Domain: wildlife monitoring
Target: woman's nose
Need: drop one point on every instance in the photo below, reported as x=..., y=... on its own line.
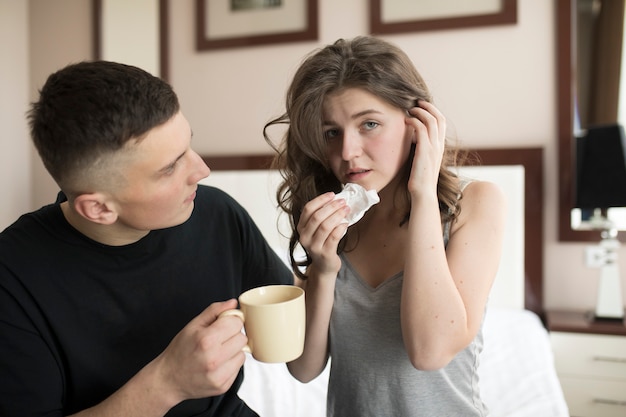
x=351, y=146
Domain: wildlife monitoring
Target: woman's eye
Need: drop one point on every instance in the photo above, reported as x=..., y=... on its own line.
x=331, y=133
x=370, y=125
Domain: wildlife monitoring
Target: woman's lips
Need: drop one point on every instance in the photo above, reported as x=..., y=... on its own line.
x=357, y=174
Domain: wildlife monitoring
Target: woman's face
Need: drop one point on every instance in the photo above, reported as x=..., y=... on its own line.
x=368, y=141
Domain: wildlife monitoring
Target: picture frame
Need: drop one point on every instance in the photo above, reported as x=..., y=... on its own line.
x=399, y=16
x=221, y=24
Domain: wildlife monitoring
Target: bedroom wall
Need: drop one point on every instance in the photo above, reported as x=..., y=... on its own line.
x=496, y=85
x=15, y=174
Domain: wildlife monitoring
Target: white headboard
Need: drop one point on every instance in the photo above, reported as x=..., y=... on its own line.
x=514, y=286
x=508, y=287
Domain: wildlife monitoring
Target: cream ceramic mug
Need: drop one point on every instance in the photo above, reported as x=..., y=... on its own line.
x=274, y=321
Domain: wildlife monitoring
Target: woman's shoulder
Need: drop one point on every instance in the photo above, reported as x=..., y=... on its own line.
x=481, y=198
x=480, y=187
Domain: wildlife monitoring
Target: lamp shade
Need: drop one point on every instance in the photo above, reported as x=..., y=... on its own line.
x=601, y=168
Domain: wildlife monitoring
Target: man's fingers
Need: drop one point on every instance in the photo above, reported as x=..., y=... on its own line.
x=212, y=312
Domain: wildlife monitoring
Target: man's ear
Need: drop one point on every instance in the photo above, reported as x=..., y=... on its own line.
x=96, y=208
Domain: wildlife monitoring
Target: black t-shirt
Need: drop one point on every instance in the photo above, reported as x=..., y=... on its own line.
x=78, y=318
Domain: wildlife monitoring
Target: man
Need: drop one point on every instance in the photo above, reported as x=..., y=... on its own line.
x=110, y=297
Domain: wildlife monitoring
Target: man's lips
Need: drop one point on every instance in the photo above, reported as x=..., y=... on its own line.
x=191, y=197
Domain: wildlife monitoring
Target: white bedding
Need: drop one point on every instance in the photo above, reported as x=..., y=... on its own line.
x=517, y=377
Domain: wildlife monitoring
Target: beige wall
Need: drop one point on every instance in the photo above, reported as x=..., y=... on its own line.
x=496, y=85
x=15, y=177
x=60, y=33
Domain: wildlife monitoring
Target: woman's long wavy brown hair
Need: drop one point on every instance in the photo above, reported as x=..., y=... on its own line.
x=364, y=62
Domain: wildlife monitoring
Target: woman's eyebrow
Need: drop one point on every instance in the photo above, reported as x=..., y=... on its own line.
x=354, y=116
x=364, y=113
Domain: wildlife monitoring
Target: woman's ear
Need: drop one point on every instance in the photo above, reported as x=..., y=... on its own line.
x=96, y=208
x=410, y=134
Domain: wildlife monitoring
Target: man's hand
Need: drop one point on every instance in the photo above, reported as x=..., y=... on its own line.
x=204, y=358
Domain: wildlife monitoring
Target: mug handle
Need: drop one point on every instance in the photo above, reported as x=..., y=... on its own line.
x=238, y=313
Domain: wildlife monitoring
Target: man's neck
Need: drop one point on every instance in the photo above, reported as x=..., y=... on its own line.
x=114, y=234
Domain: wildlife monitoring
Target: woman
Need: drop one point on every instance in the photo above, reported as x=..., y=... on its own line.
x=397, y=300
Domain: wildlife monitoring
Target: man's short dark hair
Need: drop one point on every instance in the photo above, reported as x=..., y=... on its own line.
x=90, y=109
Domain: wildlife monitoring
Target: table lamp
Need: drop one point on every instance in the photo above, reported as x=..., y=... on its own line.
x=601, y=184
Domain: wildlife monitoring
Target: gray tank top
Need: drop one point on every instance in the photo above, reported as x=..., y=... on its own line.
x=371, y=374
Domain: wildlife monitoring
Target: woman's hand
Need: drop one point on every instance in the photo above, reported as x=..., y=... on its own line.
x=321, y=227
x=429, y=126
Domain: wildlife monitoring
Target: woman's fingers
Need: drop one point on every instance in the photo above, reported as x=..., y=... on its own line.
x=319, y=219
x=428, y=121
x=321, y=227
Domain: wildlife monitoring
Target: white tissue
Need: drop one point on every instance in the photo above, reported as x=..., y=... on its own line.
x=358, y=199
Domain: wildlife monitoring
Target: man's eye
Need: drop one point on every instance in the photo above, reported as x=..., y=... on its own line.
x=170, y=169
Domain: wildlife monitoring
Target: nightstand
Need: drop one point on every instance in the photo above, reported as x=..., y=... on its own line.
x=590, y=359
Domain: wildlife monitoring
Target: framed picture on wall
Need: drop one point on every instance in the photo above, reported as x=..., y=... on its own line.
x=237, y=23
x=397, y=16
